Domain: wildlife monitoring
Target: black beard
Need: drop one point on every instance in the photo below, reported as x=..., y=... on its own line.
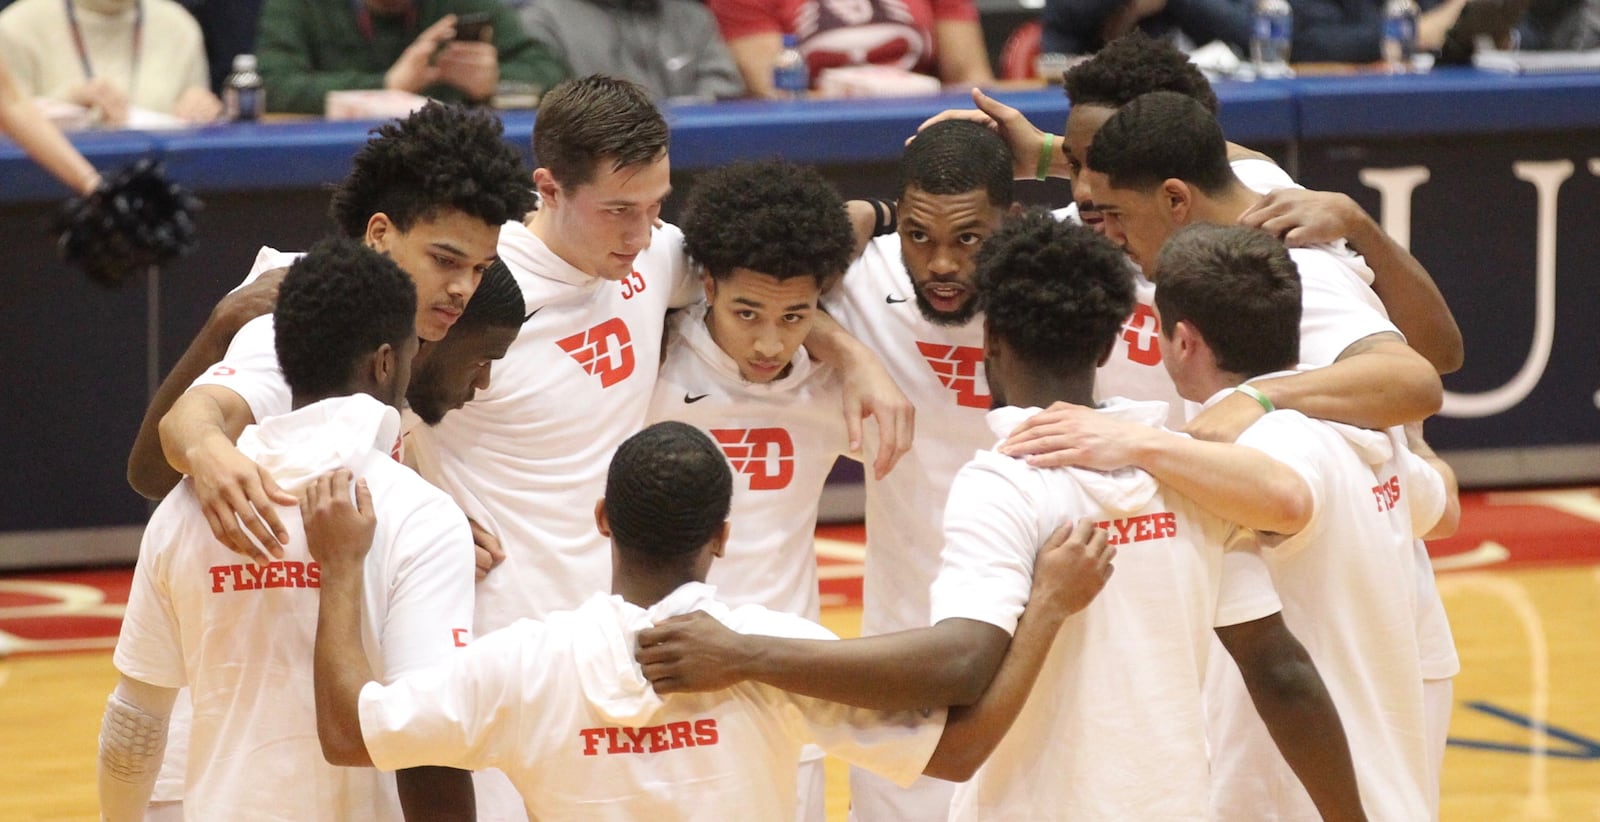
x=948, y=319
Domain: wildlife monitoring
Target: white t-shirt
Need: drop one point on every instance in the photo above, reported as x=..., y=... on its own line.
x=563, y=709
x=781, y=438
x=940, y=369
x=527, y=458
x=250, y=368
x=240, y=636
x=1114, y=728
x=1347, y=580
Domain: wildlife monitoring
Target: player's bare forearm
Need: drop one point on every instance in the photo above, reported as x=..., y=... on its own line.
x=1300, y=715
x=863, y=220
x=1410, y=295
x=435, y=794
x=339, y=665
x=1238, y=483
x=948, y=664
x=149, y=472
x=202, y=417
x=1378, y=382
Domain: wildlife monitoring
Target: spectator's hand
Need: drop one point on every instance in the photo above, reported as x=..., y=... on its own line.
x=486, y=549
x=415, y=71
x=1071, y=568
x=107, y=101
x=1302, y=217
x=337, y=530
x=691, y=653
x=197, y=105
x=231, y=490
x=472, y=67
x=1010, y=124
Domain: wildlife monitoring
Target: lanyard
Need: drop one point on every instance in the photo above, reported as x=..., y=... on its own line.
x=364, y=19
x=83, y=49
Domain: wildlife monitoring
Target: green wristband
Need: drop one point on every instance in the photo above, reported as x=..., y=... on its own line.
x=1255, y=393
x=1046, y=151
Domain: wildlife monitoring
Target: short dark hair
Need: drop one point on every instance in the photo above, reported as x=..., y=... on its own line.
x=1239, y=288
x=441, y=157
x=338, y=304
x=1132, y=65
x=772, y=217
x=1159, y=136
x=668, y=491
x=585, y=120
x=1056, y=292
x=955, y=157
x=498, y=302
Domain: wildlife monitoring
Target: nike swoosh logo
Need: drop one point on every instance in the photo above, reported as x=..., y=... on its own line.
x=891, y=300
x=531, y=313
x=694, y=397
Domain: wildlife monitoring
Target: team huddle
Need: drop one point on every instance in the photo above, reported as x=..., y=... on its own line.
x=525, y=481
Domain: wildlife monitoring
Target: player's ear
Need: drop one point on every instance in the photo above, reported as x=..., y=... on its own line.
x=379, y=231
x=545, y=183
x=385, y=362
x=719, y=541
x=1178, y=198
x=709, y=283
x=601, y=522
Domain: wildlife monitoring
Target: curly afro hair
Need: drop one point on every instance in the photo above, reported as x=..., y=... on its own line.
x=1056, y=292
x=441, y=157
x=668, y=490
x=337, y=305
x=1132, y=65
x=771, y=217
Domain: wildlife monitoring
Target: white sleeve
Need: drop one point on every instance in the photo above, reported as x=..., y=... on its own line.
x=991, y=539
x=1425, y=493
x=1262, y=176
x=1337, y=308
x=250, y=370
x=893, y=744
x=429, y=617
x=1246, y=593
x=467, y=714
x=1283, y=436
x=150, y=646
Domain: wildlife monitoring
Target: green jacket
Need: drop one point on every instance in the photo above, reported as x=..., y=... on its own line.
x=307, y=48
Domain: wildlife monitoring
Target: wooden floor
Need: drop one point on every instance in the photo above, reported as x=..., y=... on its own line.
x=1525, y=733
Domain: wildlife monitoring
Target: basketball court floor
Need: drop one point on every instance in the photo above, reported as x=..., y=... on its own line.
x=1521, y=582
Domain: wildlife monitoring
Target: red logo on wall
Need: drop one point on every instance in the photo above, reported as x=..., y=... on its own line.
x=766, y=455
x=957, y=368
x=605, y=351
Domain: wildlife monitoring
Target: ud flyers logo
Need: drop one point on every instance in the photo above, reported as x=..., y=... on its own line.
x=957, y=368
x=766, y=455
x=1142, y=332
x=605, y=351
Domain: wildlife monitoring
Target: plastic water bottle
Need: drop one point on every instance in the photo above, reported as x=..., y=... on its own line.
x=1399, y=34
x=791, y=77
x=1269, y=38
x=243, y=98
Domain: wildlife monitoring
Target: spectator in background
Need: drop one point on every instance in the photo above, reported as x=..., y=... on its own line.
x=671, y=47
x=1084, y=26
x=22, y=121
x=110, y=55
x=308, y=48
x=1351, y=31
x=937, y=37
x=229, y=27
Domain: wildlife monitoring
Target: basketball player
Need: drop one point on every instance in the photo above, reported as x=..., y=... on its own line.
x=239, y=636
x=1116, y=731
x=560, y=705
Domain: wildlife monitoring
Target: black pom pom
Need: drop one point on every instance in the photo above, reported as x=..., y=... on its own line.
x=130, y=222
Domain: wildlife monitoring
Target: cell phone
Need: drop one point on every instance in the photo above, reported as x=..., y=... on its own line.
x=471, y=27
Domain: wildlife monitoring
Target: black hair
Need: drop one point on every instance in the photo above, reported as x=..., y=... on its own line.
x=1057, y=293
x=585, y=120
x=497, y=303
x=336, y=306
x=1159, y=136
x=955, y=157
x=1132, y=65
x=1239, y=288
x=441, y=157
x=771, y=217
x=668, y=491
